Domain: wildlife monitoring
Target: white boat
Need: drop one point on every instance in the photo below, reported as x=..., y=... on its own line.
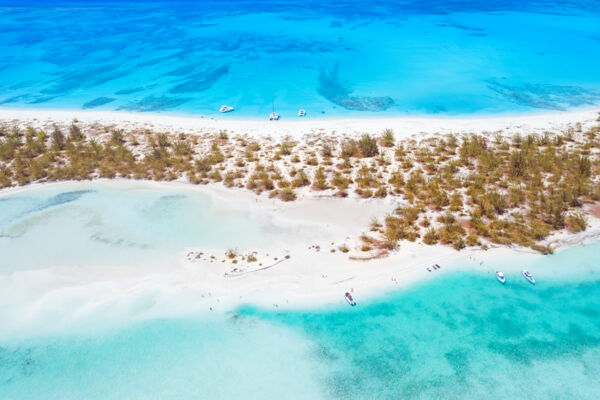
x=301, y=113
x=500, y=277
x=349, y=299
x=273, y=116
x=527, y=275
x=225, y=109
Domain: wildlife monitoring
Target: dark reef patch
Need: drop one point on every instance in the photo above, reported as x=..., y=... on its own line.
x=84, y=78
x=129, y=91
x=182, y=71
x=41, y=99
x=154, y=103
x=333, y=90
x=54, y=201
x=61, y=198
x=153, y=61
x=118, y=242
x=459, y=360
x=437, y=109
x=13, y=99
x=546, y=96
x=20, y=85
x=201, y=81
x=257, y=46
x=572, y=343
x=100, y=101
x=459, y=26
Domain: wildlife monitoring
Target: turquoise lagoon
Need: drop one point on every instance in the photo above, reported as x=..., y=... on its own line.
x=334, y=58
x=117, y=224
x=458, y=335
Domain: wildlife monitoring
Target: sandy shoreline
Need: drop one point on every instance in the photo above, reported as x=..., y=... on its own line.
x=50, y=300
x=65, y=298
x=402, y=126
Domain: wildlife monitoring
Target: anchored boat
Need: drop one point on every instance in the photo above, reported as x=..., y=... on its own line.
x=349, y=299
x=527, y=275
x=226, y=109
x=301, y=113
x=273, y=116
x=500, y=277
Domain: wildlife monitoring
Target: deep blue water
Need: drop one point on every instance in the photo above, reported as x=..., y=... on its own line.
x=333, y=58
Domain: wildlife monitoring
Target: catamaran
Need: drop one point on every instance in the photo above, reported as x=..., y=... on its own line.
x=226, y=109
x=349, y=299
x=273, y=116
x=527, y=275
x=500, y=277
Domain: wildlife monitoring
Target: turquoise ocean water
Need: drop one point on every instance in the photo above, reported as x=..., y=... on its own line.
x=459, y=335
x=333, y=58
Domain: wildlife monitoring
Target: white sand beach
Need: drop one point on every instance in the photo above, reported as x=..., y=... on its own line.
x=310, y=267
x=402, y=126
x=316, y=273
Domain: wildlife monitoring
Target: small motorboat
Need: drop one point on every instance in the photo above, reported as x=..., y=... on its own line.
x=349, y=299
x=527, y=275
x=438, y=266
x=226, y=109
x=428, y=269
x=301, y=113
x=500, y=277
x=434, y=267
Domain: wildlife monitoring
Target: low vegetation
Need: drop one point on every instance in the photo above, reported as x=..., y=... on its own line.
x=459, y=190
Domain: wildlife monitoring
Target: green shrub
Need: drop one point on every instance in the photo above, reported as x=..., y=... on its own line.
x=430, y=237
x=387, y=138
x=58, y=138
x=286, y=148
x=458, y=243
x=576, y=222
x=381, y=192
x=349, y=149
x=320, y=181
x=287, y=194
x=300, y=179
x=368, y=146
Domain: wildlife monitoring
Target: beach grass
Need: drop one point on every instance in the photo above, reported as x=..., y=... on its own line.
x=455, y=189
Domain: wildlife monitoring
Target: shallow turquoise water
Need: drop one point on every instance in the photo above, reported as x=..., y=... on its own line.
x=342, y=58
x=460, y=335
x=120, y=224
